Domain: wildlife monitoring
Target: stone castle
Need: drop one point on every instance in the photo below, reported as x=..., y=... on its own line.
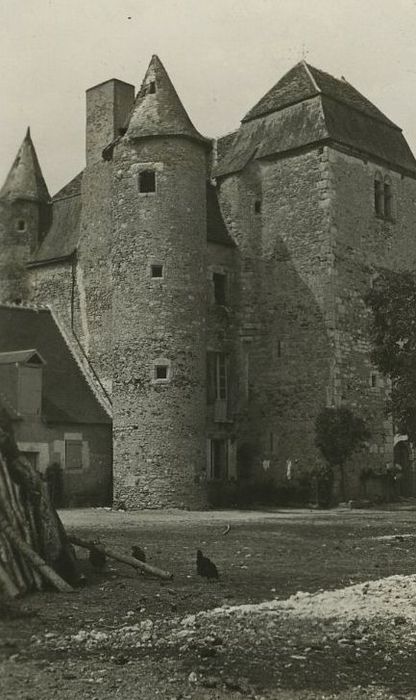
x=216, y=287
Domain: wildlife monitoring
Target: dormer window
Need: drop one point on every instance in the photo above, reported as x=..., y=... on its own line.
x=147, y=181
x=21, y=225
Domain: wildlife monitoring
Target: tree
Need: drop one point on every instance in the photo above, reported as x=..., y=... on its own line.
x=338, y=434
x=393, y=335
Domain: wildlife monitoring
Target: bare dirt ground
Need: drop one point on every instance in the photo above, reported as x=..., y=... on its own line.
x=127, y=636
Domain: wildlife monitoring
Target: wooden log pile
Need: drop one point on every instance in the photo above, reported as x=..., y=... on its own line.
x=35, y=552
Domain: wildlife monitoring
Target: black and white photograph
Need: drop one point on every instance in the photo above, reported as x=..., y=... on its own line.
x=208, y=350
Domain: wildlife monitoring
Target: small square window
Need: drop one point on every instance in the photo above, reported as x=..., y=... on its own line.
x=147, y=181
x=156, y=271
x=220, y=288
x=161, y=372
x=21, y=225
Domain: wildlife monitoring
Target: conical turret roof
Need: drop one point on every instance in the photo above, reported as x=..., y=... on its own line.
x=158, y=110
x=25, y=179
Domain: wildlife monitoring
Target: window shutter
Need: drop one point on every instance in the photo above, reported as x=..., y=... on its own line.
x=211, y=376
x=209, y=459
x=232, y=459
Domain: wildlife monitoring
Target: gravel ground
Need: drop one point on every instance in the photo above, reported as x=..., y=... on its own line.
x=309, y=605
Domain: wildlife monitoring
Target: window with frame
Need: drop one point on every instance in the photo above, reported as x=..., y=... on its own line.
x=388, y=198
x=217, y=377
x=33, y=458
x=383, y=197
x=219, y=460
x=156, y=271
x=147, y=181
x=379, y=195
x=73, y=454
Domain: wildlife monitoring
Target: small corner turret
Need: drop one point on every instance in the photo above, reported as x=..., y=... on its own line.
x=24, y=219
x=158, y=110
x=25, y=180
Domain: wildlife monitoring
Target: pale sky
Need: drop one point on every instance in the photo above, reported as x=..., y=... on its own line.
x=222, y=56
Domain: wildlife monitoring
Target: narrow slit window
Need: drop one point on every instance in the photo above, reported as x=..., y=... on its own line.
x=156, y=271
x=388, y=199
x=21, y=225
x=378, y=197
x=152, y=87
x=257, y=206
x=220, y=288
x=373, y=380
x=147, y=181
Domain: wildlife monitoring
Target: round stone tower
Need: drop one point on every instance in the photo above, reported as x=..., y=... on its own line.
x=24, y=219
x=159, y=302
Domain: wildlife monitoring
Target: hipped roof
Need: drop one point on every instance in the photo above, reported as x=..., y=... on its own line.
x=308, y=106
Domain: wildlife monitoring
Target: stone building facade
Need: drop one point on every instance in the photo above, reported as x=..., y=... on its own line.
x=216, y=287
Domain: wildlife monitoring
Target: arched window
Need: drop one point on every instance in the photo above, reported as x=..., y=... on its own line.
x=379, y=195
x=388, y=198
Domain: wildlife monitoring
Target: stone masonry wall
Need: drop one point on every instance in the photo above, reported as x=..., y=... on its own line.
x=93, y=283
x=15, y=248
x=159, y=427
x=363, y=242
x=286, y=315
x=222, y=335
x=52, y=284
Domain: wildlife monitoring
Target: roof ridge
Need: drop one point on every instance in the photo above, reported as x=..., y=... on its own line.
x=311, y=76
x=368, y=107
x=25, y=306
x=90, y=379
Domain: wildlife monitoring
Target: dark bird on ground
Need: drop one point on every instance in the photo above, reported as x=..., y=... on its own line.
x=138, y=553
x=97, y=558
x=205, y=567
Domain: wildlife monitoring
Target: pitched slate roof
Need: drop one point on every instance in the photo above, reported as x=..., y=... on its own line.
x=304, y=81
x=25, y=179
x=62, y=238
x=68, y=395
x=217, y=231
x=157, y=110
x=306, y=107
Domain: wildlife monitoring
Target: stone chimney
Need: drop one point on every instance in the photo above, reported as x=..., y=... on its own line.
x=108, y=108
